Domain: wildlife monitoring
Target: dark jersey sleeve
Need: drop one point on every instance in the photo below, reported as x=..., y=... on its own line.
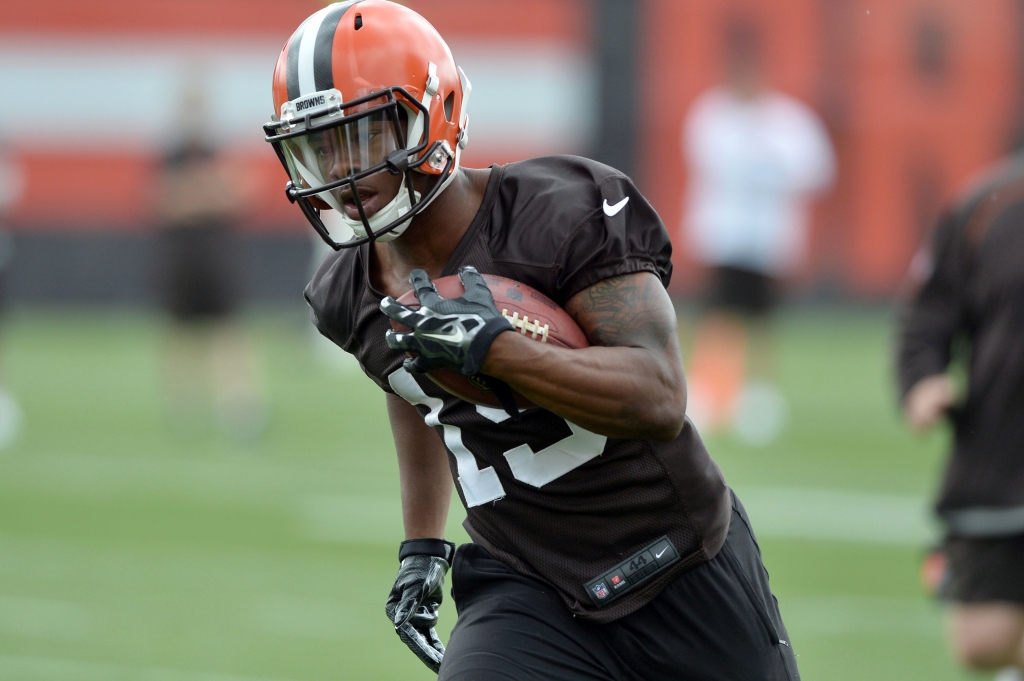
x=342, y=309
x=622, y=235
x=333, y=296
x=564, y=223
x=935, y=308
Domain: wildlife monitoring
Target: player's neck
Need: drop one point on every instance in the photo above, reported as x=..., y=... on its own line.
x=432, y=237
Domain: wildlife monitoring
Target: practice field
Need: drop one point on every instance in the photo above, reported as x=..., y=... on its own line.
x=128, y=553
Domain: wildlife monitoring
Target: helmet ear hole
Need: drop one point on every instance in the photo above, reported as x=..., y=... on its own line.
x=449, y=104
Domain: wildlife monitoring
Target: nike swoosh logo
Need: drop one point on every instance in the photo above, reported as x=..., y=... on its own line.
x=612, y=211
x=658, y=554
x=453, y=338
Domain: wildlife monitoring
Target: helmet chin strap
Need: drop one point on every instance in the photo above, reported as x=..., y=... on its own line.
x=395, y=208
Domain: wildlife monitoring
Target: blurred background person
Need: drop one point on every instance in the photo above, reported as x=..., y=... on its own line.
x=968, y=285
x=11, y=185
x=209, y=365
x=756, y=156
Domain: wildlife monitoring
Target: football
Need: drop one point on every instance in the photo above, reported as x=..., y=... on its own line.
x=531, y=313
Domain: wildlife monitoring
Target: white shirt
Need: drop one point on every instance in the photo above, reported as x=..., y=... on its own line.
x=753, y=166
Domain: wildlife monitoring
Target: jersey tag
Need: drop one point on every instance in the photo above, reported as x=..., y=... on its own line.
x=633, y=571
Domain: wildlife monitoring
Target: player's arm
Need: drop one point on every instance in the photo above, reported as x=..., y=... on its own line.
x=628, y=384
x=423, y=471
x=424, y=556
x=930, y=317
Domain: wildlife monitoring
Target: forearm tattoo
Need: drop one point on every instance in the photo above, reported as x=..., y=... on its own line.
x=631, y=310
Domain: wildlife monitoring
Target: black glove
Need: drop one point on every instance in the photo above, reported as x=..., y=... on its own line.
x=447, y=334
x=417, y=594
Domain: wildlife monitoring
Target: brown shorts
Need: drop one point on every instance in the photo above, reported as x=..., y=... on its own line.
x=742, y=291
x=199, y=272
x=984, y=570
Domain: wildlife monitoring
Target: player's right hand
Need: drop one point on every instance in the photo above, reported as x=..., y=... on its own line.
x=417, y=594
x=446, y=333
x=927, y=401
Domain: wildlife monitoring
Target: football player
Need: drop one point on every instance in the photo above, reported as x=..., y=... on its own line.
x=967, y=290
x=606, y=544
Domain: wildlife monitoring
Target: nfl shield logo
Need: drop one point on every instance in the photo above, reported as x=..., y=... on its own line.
x=600, y=590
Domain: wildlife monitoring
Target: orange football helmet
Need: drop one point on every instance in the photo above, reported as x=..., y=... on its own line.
x=364, y=87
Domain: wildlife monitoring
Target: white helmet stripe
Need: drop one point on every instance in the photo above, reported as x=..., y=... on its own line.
x=292, y=73
x=307, y=51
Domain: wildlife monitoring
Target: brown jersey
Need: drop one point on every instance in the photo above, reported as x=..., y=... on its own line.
x=552, y=500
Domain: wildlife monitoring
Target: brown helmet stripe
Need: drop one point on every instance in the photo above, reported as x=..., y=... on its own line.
x=323, y=74
x=310, y=49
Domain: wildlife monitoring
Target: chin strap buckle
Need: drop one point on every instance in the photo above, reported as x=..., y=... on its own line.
x=398, y=161
x=439, y=157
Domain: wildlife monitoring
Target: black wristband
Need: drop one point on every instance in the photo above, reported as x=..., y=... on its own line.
x=481, y=344
x=426, y=547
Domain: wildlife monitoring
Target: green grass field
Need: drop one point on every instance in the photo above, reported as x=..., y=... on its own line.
x=127, y=553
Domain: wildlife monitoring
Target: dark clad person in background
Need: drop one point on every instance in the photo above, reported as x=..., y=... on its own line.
x=967, y=289
x=207, y=356
x=11, y=188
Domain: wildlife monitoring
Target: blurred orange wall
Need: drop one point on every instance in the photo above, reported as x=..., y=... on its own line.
x=155, y=17
x=91, y=189
x=95, y=189
x=918, y=95
x=918, y=130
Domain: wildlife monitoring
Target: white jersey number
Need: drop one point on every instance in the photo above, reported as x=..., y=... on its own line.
x=533, y=468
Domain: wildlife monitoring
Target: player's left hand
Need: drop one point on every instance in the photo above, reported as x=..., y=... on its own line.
x=454, y=333
x=416, y=596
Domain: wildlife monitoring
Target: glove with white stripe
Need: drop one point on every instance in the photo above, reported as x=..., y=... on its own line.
x=453, y=333
x=417, y=594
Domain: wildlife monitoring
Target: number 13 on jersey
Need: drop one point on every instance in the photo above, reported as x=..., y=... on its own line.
x=481, y=486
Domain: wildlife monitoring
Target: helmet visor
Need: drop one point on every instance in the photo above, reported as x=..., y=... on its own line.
x=326, y=156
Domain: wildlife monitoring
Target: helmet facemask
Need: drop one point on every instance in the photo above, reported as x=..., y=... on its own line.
x=328, y=146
